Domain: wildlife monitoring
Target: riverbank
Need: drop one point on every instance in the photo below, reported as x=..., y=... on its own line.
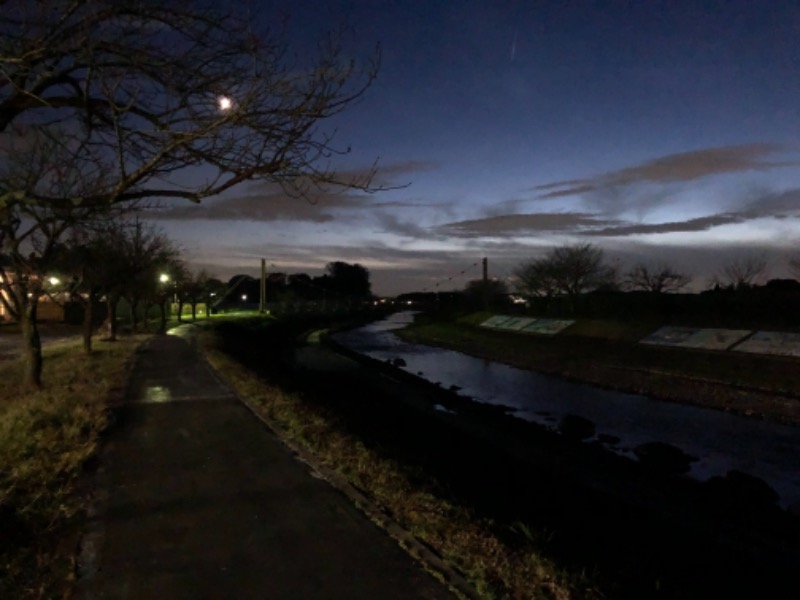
x=607, y=354
x=522, y=511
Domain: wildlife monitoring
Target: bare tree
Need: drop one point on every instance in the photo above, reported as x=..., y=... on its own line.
x=112, y=102
x=742, y=272
x=154, y=265
x=196, y=287
x=536, y=278
x=41, y=163
x=580, y=268
x=565, y=270
x=659, y=278
x=160, y=87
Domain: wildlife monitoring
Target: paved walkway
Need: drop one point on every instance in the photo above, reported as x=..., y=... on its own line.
x=196, y=498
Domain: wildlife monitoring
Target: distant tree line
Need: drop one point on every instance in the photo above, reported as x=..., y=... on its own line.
x=341, y=283
x=577, y=279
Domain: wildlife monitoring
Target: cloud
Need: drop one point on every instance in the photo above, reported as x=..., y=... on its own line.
x=393, y=225
x=778, y=205
x=520, y=224
x=699, y=224
x=274, y=207
x=675, y=168
x=268, y=201
x=783, y=203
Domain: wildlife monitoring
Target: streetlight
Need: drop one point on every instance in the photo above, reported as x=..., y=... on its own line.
x=163, y=278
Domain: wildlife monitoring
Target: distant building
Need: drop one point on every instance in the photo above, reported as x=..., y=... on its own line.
x=48, y=309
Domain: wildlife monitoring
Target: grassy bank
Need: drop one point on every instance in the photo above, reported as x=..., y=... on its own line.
x=607, y=353
x=46, y=437
x=506, y=564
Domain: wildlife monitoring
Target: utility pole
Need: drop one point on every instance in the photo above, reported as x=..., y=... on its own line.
x=262, y=296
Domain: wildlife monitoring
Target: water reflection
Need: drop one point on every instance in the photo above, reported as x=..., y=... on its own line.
x=720, y=441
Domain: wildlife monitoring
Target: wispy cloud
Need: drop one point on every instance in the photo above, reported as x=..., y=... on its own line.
x=521, y=224
x=699, y=224
x=779, y=205
x=776, y=205
x=675, y=168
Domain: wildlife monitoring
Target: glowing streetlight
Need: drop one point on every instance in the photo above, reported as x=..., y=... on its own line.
x=163, y=278
x=54, y=280
x=244, y=297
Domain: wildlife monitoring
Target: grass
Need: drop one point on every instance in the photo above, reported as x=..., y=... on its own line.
x=466, y=541
x=46, y=437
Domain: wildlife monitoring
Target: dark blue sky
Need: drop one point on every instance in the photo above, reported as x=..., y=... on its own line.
x=657, y=130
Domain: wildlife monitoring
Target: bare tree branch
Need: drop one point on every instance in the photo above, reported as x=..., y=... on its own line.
x=742, y=272
x=659, y=278
x=143, y=82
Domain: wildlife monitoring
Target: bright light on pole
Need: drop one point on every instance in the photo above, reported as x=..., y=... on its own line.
x=163, y=278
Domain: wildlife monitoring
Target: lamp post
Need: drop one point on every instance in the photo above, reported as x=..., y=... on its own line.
x=163, y=278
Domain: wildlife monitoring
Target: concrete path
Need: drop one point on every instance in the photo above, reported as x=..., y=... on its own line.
x=196, y=498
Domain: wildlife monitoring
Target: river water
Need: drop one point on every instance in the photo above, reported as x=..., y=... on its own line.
x=721, y=442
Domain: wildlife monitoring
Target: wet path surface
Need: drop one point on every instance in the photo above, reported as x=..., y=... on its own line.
x=719, y=441
x=196, y=498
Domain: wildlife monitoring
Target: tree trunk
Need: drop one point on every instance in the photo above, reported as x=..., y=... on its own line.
x=88, y=317
x=33, y=345
x=162, y=328
x=194, y=309
x=134, y=304
x=111, y=309
x=180, y=311
x=146, y=315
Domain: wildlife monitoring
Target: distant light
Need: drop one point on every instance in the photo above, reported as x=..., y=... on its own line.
x=224, y=103
x=244, y=297
x=408, y=301
x=54, y=280
x=163, y=278
x=213, y=294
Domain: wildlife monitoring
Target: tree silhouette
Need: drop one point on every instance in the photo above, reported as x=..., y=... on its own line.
x=742, y=272
x=564, y=270
x=348, y=280
x=659, y=278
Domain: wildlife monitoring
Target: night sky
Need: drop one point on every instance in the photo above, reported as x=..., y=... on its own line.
x=655, y=130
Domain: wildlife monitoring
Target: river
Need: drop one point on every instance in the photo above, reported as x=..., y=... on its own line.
x=720, y=441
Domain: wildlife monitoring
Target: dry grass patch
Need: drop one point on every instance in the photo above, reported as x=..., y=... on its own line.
x=46, y=436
